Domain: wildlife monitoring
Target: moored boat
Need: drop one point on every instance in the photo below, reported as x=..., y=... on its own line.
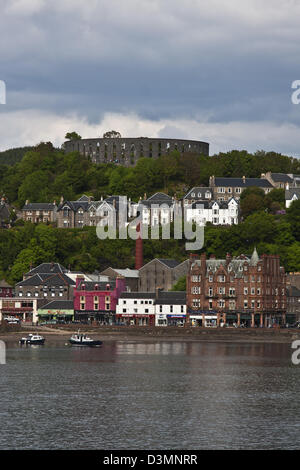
x=80, y=339
x=32, y=339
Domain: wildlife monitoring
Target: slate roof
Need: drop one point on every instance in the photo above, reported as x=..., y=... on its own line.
x=127, y=272
x=59, y=305
x=290, y=192
x=47, y=268
x=171, y=298
x=46, y=280
x=198, y=190
x=239, y=182
x=281, y=178
x=102, y=286
x=235, y=266
x=158, y=199
x=209, y=204
x=170, y=263
x=42, y=206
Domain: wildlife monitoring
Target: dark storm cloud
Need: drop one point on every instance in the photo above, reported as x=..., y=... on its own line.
x=216, y=63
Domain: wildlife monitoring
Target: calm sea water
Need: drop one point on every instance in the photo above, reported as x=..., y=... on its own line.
x=172, y=395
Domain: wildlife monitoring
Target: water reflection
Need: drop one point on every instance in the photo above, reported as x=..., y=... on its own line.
x=163, y=395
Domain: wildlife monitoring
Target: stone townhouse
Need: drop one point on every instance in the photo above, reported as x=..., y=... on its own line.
x=161, y=273
x=226, y=188
x=87, y=212
x=248, y=290
x=38, y=212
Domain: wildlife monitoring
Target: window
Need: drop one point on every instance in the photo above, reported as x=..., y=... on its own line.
x=221, y=290
x=210, y=278
x=221, y=278
x=221, y=190
x=252, y=290
x=245, y=290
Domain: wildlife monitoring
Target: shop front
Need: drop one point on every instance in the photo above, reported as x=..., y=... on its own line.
x=129, y=319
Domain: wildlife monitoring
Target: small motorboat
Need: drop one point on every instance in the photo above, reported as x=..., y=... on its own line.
x=80, y=339
x=32, y=339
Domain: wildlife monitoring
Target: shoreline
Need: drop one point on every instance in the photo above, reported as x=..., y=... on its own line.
x=159, y=334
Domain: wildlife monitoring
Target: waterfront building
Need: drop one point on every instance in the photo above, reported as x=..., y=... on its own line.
x=57, y=311
x=161, y=273
x=170, y=308
x=242, y=290
x=158, y=308
x=293, y=304
x=24, y=310
x=96, y=301
x=56, y=286
x=136, y=308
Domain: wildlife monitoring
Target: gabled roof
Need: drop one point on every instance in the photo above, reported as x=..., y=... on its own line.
x=169, y=263
x=241, y=183
x=47, y=268
x=281, y=178
x=127, y=272
x=158, y=199
x=198, y=190
x=289, y=193
x=56, y=279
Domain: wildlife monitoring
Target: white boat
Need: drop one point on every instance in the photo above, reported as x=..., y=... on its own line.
x=80, y=339
x=32, y=339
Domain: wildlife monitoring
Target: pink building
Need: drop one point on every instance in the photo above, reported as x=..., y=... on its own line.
x=97, y=301
x=5, y=289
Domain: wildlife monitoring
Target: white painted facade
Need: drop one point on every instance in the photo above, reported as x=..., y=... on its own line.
x=217, y=213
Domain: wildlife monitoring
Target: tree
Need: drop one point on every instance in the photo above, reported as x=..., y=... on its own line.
x=72, y=136
x=111, y=134
x=252, y=200
x=180, y=284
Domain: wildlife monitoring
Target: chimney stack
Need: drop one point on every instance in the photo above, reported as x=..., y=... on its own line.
x=139, y=248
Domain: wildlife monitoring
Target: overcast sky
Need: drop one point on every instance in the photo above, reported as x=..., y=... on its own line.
x=218, y=71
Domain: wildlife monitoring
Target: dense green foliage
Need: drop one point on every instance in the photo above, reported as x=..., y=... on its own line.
x=12, y=156
x=28, y=244
x=45, y=174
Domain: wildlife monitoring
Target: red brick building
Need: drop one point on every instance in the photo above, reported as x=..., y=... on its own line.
x=249, y=291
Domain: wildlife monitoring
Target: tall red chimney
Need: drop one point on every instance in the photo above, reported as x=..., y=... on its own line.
x=139, y=248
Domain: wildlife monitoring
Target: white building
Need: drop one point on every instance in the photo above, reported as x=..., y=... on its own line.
x=149, y=309
x=218, y=213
